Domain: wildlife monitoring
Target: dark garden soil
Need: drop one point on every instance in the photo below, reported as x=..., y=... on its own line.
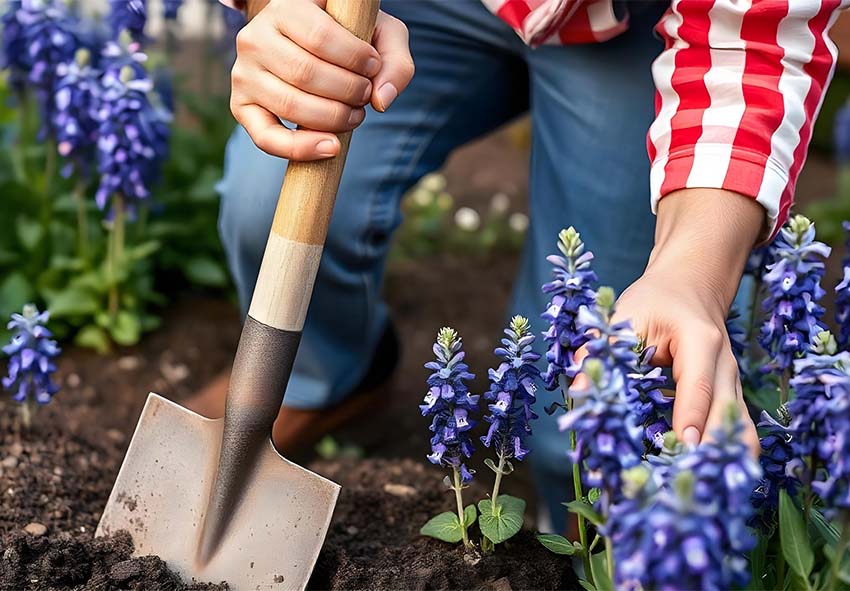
x=374, y=541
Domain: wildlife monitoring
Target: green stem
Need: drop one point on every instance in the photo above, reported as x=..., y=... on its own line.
x=19, y=158
x=459, y=499
x=751, y=321
x=840, y=549
x=577, y=489
x=784, y=387
x=609, y=556
x=82, y=221
x=116, y=252
x=498, y=482
x=780, y=569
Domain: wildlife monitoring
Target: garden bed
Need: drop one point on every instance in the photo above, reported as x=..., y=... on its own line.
x=60, y=475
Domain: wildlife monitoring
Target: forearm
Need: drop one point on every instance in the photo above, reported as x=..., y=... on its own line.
x=707, y=234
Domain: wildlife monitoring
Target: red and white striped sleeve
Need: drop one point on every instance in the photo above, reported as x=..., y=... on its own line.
x=739, y=86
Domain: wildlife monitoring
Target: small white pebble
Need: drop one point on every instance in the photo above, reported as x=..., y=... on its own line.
x=36, y=529
x=73, y=380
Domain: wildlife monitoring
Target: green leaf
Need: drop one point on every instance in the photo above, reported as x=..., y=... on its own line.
x=599, y=568
x=827, y=531
x=794, y=538
x=501, y=521
x=126, y=328
x=844, y=569
x=73, y=301
x=758, y=564
x=143, y=250
x=446, y=526
x=469, y=515
x=585, y=510
x=491, y=464
x=30, y=232
x=206, y=272
x=15, y=291
x=557, y=544
x=587, y=585
x=93, y=337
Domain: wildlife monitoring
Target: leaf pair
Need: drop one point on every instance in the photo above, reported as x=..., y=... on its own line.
x=498, y=522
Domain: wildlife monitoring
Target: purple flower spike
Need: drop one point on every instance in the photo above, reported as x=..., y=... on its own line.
x=842, y=295
x=450, y=404
x=74, y=122
x=570, y=289
x=820, y=422
x=683, y=525
x=38, y=36
x=133, y=129
x=792, y=312
x=512, y=392
x=609, y=438
x=31, y=352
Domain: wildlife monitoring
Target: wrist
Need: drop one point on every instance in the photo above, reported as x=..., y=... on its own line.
x=704, y=237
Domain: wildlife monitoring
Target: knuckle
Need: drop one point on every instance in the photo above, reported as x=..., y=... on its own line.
x=340, y=115
x=303, y=71
x=245, y=41
x=318, y=36
x=285, y=105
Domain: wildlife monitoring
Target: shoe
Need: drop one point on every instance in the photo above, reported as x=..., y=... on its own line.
x=296, y=430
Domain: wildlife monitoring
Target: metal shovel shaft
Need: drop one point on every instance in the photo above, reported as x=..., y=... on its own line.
x=272, y=330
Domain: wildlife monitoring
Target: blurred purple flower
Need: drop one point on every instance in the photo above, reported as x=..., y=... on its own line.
x=841, y=133
x=570, y=289
x=511, y=393
x=133, y=129
x=820, y=422
x=38, y=36
x=74, y=122
x=842, y=295
x=170, y=9
x=130, y=16
x=450, y=404
x=609, y=438
x=683, y=525
x=31, y=353
x=793, y=283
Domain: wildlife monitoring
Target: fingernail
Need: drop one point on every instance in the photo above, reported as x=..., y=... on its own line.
x=367, y=94
x=386, y=95
x=691, y=436
x=326, y=148
x=373, y=65
x=357, y=115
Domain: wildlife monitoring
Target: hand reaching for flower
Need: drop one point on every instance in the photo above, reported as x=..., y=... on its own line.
x=680, y=304
x=295, y=63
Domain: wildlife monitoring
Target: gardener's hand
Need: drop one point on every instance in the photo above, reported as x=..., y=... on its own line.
x=680, y=304
x=294, y=62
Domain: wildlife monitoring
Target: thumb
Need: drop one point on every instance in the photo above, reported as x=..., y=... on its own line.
x=392, y=42
x=694, y=370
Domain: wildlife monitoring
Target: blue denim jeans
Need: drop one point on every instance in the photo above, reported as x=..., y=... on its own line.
x=591, y=106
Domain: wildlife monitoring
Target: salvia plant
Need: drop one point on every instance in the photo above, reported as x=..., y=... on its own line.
x=451, y=407
x=509, y=414
x=511, y=396
x=669, y=516
x=89, y=140
x=32, y=353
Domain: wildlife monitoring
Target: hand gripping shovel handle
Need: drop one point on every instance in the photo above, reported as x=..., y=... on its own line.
x=275, y=319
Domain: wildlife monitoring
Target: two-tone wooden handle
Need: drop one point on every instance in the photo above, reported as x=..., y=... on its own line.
x=288, y=271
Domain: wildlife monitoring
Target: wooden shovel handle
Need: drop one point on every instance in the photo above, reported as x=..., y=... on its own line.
x=304, y=209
